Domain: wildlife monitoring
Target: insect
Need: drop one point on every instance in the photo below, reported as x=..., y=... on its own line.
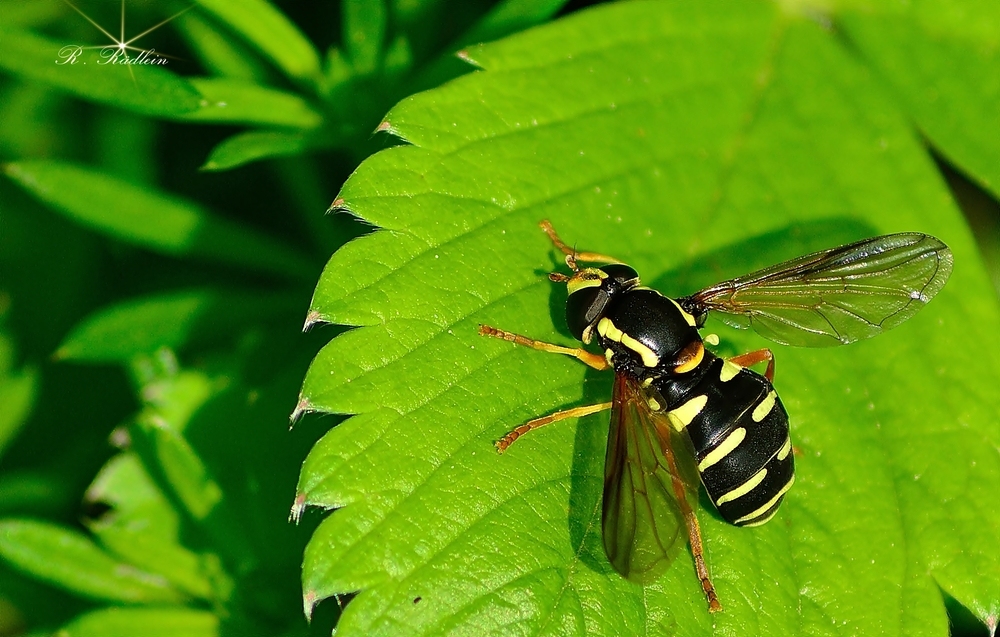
x=680, y=415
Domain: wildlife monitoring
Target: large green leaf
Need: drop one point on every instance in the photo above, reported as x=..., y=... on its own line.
x=697, y=141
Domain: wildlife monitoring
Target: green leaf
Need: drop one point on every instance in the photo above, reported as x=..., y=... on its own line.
x=159, y=441
x=35, y=492
x=511, y=16
x=18, y=390
x=364, y=33
x=68, y=559
x=172, y=320
x=219, y=53
x=505, y=18
x=144, y=89
x=17, y=395
x=142, y=527
x=942, y=58
x=244, y=148
x=239, y=101
x=270, y=32
x=151, y=219
x=148, y=622
x=692, y=140
x=125, y=485
x=159, y=438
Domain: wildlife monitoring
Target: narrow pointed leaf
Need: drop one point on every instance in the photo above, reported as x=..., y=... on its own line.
x=148, y=622
x=70, y=560
x=511, y=16
x=174, y=320
x=270, y=32
x=244, y=148
x=219, y=53
x=18, y=389
x=241, y=102
x=688, y=139
x=142, y=527
x=148, y=89
x=151, y=219
x=364, y=33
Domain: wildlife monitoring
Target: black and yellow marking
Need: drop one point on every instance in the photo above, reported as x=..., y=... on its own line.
x=589, y=278
x=606, y=328
x=739, y=430
x=668, y=387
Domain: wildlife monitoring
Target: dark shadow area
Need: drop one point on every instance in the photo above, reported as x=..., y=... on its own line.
x=961, y=621
x=981, y=211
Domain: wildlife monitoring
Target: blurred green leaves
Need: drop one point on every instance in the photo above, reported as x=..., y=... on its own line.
x=148, y=90
x=692, y=141
x=70, y=560
x=150, y=219
x=265, y=28
x=18, y=389
x=156, y=307
x=173, y=320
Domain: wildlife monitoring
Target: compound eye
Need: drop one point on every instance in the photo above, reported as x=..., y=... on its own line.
x=620, y=272
x=583, y=308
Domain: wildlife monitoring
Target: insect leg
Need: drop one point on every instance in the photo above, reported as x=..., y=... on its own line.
x=594, y=360
x=757, y=356
x=694, y=536
x=573, y=255
x=576, y=412
x=694, y=532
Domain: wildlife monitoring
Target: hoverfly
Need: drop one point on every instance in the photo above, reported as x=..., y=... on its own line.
x=680, y=414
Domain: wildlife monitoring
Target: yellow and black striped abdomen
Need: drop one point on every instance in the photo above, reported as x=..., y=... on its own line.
x=739, y=430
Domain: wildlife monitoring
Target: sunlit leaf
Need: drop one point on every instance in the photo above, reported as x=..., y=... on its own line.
x=142, y=528
x=689, y=139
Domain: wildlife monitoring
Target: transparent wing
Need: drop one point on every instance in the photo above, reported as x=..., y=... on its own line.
x=642, y=522
x=834, y=297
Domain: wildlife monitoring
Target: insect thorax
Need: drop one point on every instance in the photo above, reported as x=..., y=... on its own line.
x=646, y=335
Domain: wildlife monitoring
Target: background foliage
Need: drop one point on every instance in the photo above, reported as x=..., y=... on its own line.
x=150, y=312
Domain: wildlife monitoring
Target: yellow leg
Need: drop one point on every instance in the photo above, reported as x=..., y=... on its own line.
x=594, y=360
x=694, y=532
x=576, y=412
